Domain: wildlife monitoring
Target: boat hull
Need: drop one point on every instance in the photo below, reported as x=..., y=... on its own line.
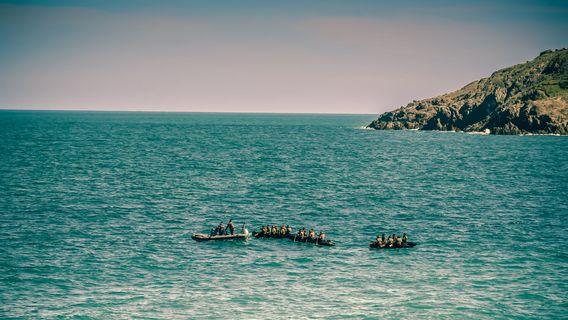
x=374, y=245
x=205, y=237
x=295, y=238
x=272, y=236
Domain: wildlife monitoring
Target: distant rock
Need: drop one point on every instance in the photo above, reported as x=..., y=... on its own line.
x=529, y=98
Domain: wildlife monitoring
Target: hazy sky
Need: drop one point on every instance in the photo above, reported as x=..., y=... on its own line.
x=335, y=56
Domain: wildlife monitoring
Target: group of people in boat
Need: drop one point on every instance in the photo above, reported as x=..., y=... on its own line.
x=222, y=230
x=311, y=234
x=286, y=230
x=392, y=241
x=274, y=230
x=382, y=241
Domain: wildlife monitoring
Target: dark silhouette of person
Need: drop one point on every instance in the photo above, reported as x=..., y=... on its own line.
x=231, y=226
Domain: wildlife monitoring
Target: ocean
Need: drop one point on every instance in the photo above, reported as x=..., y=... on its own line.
x=97, y=211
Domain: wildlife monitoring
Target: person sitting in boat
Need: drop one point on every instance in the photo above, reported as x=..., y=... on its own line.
x=404, y=239
x=231, y=227
x=398, y=242
x=312, y=234
x=288, y=229
x=383, y=241
x=390, y=242
x=321, y=236
x=378, y=240
x=244, y=230
x=221, y=228
x=283, y=230
x=274, y=230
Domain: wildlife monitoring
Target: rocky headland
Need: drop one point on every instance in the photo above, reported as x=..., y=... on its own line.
x=529, y=98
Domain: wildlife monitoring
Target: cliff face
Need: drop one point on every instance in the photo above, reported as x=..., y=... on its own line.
x=526, y=98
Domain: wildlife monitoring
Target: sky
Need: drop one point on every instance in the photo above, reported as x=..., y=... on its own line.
x=296, y=56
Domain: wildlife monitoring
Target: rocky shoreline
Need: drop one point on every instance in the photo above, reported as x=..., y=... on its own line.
x=529, y=98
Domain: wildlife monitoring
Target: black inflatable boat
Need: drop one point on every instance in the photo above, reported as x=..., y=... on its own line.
x=375, y=245
x=295, y=238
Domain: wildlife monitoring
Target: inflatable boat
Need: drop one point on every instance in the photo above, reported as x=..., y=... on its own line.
x=206, y=237
x=295, y=238
x=406, y=245
x=316, y=241
x=273, y=236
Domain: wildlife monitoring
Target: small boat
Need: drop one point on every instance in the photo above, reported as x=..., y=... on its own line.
x=206, y=237
x=316, y=241
x=272, y=236
x=295, y=238
x=406, y=245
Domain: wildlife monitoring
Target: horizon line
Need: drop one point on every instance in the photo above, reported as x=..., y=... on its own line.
x=181, y=111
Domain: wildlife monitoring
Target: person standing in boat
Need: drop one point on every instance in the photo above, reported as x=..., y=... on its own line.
x=220, y=228
x=231, y=227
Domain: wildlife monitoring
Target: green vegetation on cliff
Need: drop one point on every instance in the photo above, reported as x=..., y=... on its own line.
x=527, y=98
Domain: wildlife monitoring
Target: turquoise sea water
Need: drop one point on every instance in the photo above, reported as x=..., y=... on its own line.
x=97, y=211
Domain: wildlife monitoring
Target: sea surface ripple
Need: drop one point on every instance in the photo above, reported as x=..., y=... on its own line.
x=97, y=211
